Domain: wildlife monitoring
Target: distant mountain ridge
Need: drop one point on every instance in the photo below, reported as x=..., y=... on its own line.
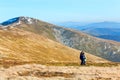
x=105, y=24
x=105, y=30
x=71, y=24
x=106, y=49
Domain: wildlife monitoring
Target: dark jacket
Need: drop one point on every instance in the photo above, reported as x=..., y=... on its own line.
x=82, y=56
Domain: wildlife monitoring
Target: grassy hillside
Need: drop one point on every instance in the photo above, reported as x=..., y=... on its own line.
x=103, y=48
x=19, y=45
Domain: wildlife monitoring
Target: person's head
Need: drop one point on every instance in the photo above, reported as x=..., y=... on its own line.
x=81, y=52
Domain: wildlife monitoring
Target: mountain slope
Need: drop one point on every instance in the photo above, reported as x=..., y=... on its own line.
x=36, y=26
x=30, y=24
x=103, y=48
x=16, y=44
x=22, y=45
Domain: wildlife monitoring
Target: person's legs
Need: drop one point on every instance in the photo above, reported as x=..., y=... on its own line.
x=82, y=62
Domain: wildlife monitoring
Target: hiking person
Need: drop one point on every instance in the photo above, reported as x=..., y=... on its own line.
x=82, y=58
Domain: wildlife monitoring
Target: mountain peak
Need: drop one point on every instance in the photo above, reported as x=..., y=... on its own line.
x=17, y=21
x=27, y=20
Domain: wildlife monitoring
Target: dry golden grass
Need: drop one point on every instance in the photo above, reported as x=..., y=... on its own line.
x=42, y=72
x=20, y=47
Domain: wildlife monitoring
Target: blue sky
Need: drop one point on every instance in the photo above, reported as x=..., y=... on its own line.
x=62, y=10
